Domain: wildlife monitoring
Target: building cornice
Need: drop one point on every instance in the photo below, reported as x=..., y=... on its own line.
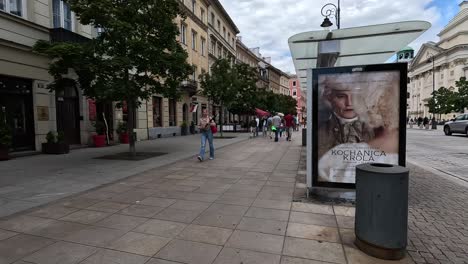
x=247, y=50
x=23, y=21
x=460, y=33
x=186, y=11
x=219, y=38
x=457, y=20
x=225, y=14
x=414, y=67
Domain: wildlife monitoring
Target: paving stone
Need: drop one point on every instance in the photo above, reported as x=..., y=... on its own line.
x=107, y=256
x=263, y=226
x=141, y=244
x=206, y=234
x=95, y=236
x=141, y=210
x=241, y=193
x=183, y=216
x=344, y=210
x=313, y=219
x=312, y=208
x=20, y=246
x=109, y=207
x=85, y=216
x=161, y=228
x=236, y=256
x=272, y=204
x=202, y=197
x=355, y=256
x=61, y=253
x=4, y=234
x=122, y=222
x=218, y=220
x=345, y=221
x=227, y=199
x=54, y=212
x=312, y=249
x=320, y=233
x=24, y=223
x=161, y=261
x=79, y=202
x=190, y=205
x=291, y=260
x=256, y=241
x=189, y=252
x=265, y=213
x=227, y=209
x=159, y=202
x=58, y=229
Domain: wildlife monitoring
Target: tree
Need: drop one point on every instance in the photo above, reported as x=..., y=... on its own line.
x=220, y=86
x=136, y=55
x=461, y=100
x=442, y=101
x=245, y=82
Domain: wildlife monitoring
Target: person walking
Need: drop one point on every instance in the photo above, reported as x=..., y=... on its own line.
x=289, y=124
x=264, y=126
x=257, y=121
x=205, y=129
x=269, y=124
x=276, y=120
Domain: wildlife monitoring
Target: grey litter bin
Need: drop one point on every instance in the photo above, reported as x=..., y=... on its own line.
x=304, y=137
x=381, y=223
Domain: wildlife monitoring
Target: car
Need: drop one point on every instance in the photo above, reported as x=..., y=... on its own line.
x=457, y=125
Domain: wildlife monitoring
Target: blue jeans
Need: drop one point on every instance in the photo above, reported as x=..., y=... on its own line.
x=204, y=136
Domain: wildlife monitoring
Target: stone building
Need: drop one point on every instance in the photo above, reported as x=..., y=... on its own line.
x=450, y=57
x=297, y=93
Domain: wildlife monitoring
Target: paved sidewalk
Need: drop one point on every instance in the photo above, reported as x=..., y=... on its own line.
x=235, y=209
x=36, y=180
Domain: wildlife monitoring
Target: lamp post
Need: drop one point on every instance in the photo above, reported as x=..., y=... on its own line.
x=432, y=58
x=331, y=10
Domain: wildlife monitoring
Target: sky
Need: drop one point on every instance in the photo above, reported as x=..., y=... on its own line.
x=269, y=23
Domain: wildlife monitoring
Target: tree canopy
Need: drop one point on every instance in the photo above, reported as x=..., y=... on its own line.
x=444, y=101
x=136, y=56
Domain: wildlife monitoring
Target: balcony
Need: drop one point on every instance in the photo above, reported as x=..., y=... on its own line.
x=189, y=86
x=64, y=35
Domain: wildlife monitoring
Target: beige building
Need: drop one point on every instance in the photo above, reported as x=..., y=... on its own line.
x=31, y=110
x=274, y=79
x=284, y=84
x=450, y=55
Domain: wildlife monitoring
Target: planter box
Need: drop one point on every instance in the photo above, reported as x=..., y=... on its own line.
x=55, y=148
x=4, y=153
x=99, y=141
x=124, y=138
x=184, y=131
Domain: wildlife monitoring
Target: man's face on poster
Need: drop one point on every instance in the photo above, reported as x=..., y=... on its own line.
x=342, y=103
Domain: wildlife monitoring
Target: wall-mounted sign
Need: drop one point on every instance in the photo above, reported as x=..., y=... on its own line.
x=42, y=113
x=359, y=115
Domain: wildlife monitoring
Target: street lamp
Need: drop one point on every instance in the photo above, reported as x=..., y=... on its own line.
x=331, y=10
x=432, y=58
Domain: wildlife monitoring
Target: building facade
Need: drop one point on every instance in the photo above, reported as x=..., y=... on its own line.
x=445, y=61
x=296, y=93
x=284, y=84
x=31, y=110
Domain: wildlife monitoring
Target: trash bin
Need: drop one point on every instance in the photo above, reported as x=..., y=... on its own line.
x=381, y=223
x=304, y=136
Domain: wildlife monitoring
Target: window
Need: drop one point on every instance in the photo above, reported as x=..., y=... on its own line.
x=460, y=118
x=229, y=39
x=183, y=33
x=294, y=92
x=157, y=112
x=62, y=15
x=194, y=5
x=212, y=18
x=14, y=7
x=172, y=112
x=203, y=44
x=194, y=74
x=294, y=83
x=224, y=32
x=213, y=47
x=202, y=15
x=194, y=40
x=219, y=25
x=441, y=76
x=452, y=73
x=219, y=51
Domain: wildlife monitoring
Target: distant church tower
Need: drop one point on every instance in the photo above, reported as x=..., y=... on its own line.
x=405, y=55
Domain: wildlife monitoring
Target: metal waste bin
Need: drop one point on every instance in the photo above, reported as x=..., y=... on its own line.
x=381, y=223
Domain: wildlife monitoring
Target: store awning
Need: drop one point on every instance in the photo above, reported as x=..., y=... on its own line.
x=261, y=113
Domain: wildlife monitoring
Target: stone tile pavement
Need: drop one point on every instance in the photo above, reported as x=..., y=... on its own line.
x=235, y=209
x=36, y=180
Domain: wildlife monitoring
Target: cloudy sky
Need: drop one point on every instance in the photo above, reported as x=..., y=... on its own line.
x=269, y=23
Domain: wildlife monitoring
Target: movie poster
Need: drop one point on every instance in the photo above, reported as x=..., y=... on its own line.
x=358, y=121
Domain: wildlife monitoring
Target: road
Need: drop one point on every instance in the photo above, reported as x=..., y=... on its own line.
x=433, y=150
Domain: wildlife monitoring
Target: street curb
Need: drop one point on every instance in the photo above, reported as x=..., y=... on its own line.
x=182, y=158
x=448, y=176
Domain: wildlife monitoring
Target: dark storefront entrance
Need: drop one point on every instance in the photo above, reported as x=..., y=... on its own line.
x=17, y=103
x=68, y=114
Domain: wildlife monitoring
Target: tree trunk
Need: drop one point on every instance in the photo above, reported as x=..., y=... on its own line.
x=221, y=120
x=131, y=125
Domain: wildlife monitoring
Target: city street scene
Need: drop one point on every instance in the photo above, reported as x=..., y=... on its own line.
x=233, y=132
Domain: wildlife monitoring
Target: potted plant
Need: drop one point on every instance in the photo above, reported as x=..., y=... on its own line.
x=100, y=137
x=184, y=128
x=5, y=139
x=123, y=132
x=55, y=144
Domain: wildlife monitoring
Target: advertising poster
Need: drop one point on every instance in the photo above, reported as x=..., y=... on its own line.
x=358, y=119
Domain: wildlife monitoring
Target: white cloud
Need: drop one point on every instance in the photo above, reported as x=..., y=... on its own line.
x=269, y=23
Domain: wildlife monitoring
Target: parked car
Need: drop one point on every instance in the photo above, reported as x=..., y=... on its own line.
x=457, y=125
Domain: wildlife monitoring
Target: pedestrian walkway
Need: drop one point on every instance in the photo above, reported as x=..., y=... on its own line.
x=235, y=209
x=36, y=180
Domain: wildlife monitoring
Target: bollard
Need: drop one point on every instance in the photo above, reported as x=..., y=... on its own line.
x=381, y=223
x=304, y=136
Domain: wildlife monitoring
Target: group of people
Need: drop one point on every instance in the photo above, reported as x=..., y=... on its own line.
x=275, y=125
x=421, y=122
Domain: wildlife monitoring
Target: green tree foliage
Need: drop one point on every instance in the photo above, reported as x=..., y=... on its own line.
x=273, y=103
x=136, y=55
x=245, y=82
x=442, y=101
x=461, y=100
